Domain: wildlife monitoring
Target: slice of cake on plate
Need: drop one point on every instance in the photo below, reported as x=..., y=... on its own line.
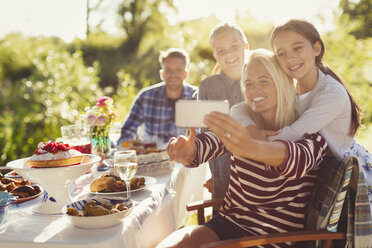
x=54, y=154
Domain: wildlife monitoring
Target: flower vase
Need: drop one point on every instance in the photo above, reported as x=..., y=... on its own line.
x=101, y=144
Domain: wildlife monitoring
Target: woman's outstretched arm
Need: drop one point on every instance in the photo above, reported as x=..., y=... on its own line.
x=239, y=142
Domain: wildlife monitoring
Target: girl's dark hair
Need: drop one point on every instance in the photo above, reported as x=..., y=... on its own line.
x=308, y=31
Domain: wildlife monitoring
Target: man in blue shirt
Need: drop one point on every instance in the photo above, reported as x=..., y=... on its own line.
x=154, y=107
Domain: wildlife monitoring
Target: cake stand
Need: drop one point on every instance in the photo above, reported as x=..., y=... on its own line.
x=55, y=181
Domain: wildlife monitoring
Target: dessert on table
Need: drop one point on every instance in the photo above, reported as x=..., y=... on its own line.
x=54, y=154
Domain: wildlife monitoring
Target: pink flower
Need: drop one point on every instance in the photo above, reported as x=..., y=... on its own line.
x=101, y=114
x=101, y=120
x=104, y=101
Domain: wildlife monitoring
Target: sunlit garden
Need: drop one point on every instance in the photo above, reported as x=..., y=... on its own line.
x=46, y=82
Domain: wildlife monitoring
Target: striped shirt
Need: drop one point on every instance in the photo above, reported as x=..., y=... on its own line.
x=152, y=109
x=220, y=87
x=262, y=199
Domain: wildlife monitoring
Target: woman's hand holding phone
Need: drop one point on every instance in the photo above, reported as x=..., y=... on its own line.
x=233, y=135
x=238, y=140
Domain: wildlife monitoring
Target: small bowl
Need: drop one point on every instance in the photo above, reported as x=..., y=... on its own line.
x=103, y=221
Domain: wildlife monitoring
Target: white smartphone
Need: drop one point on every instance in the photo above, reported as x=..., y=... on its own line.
x=191, y=113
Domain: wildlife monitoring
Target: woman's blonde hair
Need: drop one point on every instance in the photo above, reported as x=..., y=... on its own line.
x=285, y=88
x=221, y=28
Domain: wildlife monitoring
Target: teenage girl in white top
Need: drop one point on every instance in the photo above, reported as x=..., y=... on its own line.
x=323, y=103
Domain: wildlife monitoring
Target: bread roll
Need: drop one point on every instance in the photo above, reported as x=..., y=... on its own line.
x=102, y=184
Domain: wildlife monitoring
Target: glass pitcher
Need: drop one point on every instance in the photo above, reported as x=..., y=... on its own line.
x=77, y=137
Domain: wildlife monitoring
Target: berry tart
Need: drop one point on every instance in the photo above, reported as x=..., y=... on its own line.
x=54, y=154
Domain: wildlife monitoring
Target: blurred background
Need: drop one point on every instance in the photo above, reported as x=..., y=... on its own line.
x=57, y=57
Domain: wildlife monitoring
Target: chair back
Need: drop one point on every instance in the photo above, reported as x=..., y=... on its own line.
x=323, y=212
x=328, y=196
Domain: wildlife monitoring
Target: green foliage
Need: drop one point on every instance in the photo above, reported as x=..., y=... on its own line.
x=115, y=54
x=351, y=59
x=125, y=94
x=103, y=51
x=193, y=36
x=364, y=137
x=258, y=33
x=140, y=18
x=46, y=83
x=43, y=88
x=360, y=15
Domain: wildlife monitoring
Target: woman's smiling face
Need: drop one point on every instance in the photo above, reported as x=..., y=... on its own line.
x=260, y=89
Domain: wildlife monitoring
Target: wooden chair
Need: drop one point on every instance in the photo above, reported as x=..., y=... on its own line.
x=331, y=172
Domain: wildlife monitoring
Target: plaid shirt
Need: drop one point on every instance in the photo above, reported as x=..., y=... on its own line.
x=152, y=108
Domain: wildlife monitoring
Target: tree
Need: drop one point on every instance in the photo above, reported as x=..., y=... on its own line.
x=89, y=10
x=141, y=20
x=361, y=15
x=351, y=59
x=140, y=17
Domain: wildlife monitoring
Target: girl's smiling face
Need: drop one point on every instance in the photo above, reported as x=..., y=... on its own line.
x=228, y=50
x=260, y=90
x=296, y=55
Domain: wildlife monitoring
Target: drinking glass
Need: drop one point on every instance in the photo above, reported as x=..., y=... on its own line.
x=77, y=137
x=125, y=163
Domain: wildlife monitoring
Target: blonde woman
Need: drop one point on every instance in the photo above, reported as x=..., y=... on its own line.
x=270, y=182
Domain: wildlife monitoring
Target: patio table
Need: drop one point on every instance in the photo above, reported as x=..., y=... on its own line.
x=160, y=210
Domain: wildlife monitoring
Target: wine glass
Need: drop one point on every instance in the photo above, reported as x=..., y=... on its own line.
x=125, y=163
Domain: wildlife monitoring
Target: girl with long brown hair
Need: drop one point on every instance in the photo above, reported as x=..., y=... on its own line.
x=323, y=103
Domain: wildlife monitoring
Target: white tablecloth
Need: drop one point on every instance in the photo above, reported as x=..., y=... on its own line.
x=160, y=210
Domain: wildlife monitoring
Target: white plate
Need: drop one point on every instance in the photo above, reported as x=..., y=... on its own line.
x=21, y=200
x=148, y=182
